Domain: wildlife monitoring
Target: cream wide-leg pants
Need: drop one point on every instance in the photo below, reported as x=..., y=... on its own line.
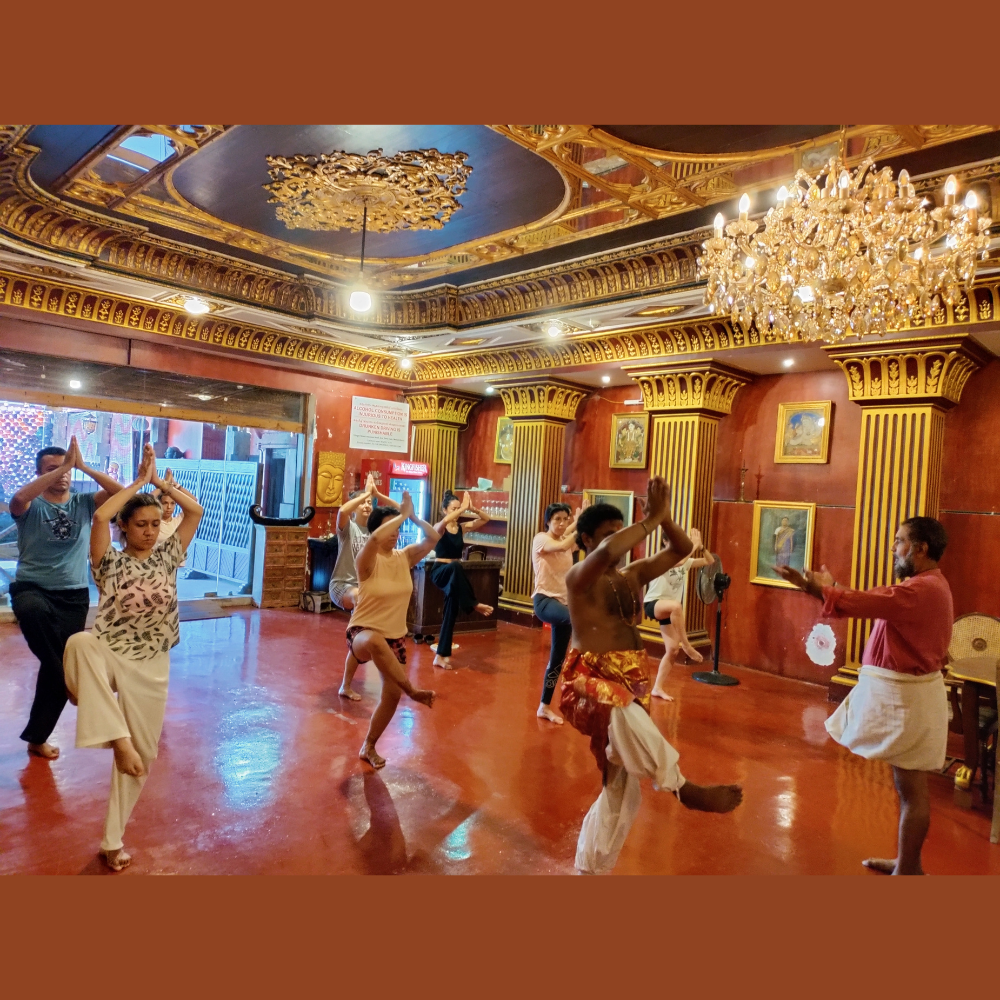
x=93, y=674
x=636, y=750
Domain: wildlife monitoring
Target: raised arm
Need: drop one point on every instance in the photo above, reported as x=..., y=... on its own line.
x=187, y=503
x=418, y=550
x=365, y=561
x=465, y=505
x=350, y=506
x=109, y=486
x=568, y=540
x=373, y=491
x=611, y=550
x=481, y=519
x=100, y=529
x=21, y=500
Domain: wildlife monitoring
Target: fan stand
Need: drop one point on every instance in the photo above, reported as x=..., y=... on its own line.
x=713, y=676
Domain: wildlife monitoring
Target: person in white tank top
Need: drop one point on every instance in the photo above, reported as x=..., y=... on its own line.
x=664, y=603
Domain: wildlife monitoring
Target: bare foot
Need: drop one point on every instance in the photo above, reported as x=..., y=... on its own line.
x=544, y=712
x=346, y=692
x=657, y=693
x=127, y=760
x=484, y=609
x=424, y=697
x=444, y=662
x=116, y=860
x=368, y=754
x=454, y=645
x=884, y=866
x=711, y=798
x=46, y=750
x=691, y=653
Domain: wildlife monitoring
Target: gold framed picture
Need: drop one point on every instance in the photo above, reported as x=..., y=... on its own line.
x=503, y=450
x=629, y=440
x=803, y=432
x=782, y=536
x=624, y=500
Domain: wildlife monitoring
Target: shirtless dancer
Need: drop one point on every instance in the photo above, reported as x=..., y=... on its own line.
x=664, y=603
x=606, y=685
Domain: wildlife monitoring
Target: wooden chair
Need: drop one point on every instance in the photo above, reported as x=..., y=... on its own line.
x=475, y=553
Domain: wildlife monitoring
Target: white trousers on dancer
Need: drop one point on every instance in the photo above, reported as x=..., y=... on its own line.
x=93, y=674
x=636, y=750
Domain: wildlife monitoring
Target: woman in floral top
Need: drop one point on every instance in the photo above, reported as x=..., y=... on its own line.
x=128, y=649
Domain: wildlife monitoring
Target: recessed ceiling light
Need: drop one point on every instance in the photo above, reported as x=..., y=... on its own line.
x=605, y=379
x=196, y=307
x=788, y=362
x=553, y=329
x=405, y=363
x=74, y=383
x=490, y=390
x=204, y=397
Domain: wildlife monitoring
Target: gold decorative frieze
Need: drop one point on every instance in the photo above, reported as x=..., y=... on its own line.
x=412, y=189
x=704, y=386
x=133, y=315
x=541, y=398
x=919, y=370
x=441, y=405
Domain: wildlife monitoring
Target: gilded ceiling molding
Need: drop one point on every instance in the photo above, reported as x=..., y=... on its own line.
x=439, y=404
x=38, y=219
x=701, y=386
x=541, y=398
x=921, y=370
x=54, y=298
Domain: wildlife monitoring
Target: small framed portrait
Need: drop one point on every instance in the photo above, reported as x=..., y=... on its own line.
x=803, y=432
x=782, y=536
x=629, y=440
x=624, y=500
x=503, y=451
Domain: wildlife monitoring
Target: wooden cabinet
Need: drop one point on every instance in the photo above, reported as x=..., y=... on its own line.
x=279, y=568
x=427, y=606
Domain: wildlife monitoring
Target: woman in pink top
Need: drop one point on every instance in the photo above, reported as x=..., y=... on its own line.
x=551, y=558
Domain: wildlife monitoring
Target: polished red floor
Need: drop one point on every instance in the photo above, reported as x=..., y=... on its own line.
x=258, y=772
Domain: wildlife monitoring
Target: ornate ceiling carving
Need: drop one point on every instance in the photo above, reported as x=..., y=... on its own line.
x=703, y=386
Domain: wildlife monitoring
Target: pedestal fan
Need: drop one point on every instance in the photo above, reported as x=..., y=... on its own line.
x=711, y=585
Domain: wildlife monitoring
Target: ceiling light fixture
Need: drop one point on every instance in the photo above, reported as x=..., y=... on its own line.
x=605, y=379
x=75, y=383
x=859, y=255
x=490, y=390
x=361, y=300
x=405, y=362
x=196, y=307
x=553, y=329
x=788, y=362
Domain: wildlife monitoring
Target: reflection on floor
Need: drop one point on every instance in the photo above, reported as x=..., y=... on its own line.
x=258, y=772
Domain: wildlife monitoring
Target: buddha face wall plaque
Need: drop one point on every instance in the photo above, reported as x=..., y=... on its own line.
x=330, y=467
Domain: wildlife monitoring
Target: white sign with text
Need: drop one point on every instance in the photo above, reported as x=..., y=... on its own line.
x=379, y=424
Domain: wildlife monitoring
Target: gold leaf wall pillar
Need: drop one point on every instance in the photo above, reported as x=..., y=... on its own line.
x=540, y=408
x=438, y=413
x=686, y=401
x=905, y=387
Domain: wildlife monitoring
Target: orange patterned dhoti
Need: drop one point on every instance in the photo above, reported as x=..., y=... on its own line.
x=595, y=683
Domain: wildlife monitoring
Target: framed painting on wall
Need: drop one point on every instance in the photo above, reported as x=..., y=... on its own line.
x=503, y=450
x=629, y=440
x=624, y=500
x=782, y=536
x=803, y=432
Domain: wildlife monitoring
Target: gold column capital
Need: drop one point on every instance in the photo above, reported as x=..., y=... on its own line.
x=440, y=404
x=541, y=398
x=706, y=386
x=909, y=371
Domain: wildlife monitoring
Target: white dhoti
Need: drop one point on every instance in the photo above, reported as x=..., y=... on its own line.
x=898, y=718
x=94, y=672
x=636, y=750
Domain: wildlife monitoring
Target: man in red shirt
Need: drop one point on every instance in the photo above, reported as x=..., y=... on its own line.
x=898, y=712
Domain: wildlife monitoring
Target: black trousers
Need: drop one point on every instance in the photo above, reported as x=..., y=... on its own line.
x=459, y=598
x=555, y=614
x=47, y=619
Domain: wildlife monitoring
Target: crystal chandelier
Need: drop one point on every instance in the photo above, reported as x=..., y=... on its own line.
x=858, y=255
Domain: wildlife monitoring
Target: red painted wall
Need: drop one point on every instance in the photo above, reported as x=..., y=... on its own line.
x=477, y=443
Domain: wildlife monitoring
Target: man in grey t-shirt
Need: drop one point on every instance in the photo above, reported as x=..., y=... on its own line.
x=49, y=595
